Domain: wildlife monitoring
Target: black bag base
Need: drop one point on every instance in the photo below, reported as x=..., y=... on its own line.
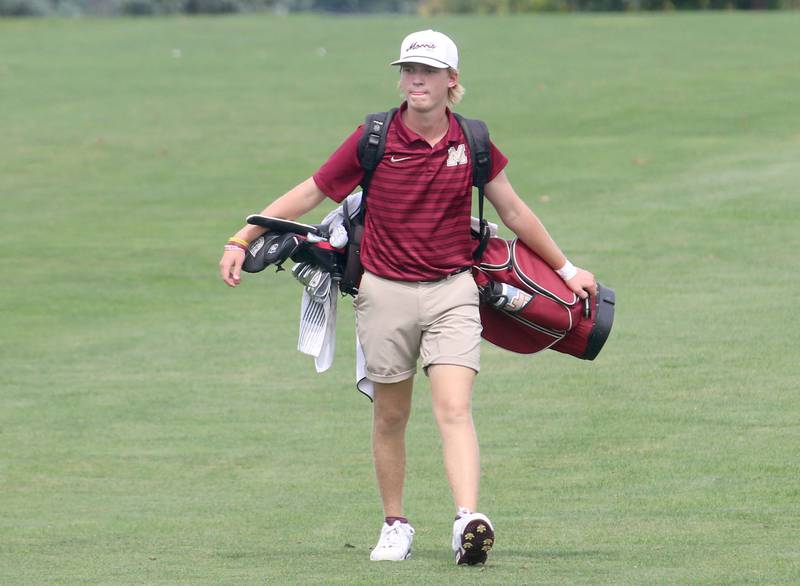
x=606, y=300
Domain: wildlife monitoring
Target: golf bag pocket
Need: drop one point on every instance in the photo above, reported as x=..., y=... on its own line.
x=526, y=307
x=514, y=280
x=515, y=333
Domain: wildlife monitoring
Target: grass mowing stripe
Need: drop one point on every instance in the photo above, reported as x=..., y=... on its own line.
x=156, y=427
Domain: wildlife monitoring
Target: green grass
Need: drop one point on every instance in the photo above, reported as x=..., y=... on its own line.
x=156, y=427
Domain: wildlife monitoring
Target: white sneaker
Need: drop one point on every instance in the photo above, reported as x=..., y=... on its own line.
x=473, y=538
x=394, y=543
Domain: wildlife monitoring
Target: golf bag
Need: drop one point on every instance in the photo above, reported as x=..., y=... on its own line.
x=526, y=307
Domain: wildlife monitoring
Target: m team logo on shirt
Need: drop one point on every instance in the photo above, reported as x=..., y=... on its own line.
x=457, y=156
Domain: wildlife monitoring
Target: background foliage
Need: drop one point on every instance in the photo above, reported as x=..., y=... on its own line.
x=422, y=7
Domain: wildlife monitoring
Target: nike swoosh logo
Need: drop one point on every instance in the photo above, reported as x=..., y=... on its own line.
x=397, y=160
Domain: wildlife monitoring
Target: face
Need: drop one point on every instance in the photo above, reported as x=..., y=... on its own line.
x=425, y=87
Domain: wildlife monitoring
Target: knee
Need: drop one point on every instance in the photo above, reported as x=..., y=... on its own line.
x=388, y=420
x=453, y=413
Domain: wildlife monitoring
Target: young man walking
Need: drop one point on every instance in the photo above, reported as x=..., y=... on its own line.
x=417, y=299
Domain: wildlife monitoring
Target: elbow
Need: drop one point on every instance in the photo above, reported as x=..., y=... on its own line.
x=511, y=218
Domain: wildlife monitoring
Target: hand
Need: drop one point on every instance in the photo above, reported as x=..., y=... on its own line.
x=230, y=267
x=583, y=284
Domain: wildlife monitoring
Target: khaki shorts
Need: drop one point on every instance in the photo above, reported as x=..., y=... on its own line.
x=399, y=322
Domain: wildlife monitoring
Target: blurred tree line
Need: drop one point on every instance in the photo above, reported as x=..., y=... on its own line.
x=159, y=7
x=423, y=7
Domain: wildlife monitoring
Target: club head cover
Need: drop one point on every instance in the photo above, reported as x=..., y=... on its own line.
x=281, y=248
x=271, y=248
x=254, y=258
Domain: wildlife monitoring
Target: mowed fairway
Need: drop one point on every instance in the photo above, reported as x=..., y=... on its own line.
x=159, y=428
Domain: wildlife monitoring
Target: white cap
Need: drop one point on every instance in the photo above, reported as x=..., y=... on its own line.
x=429, y=48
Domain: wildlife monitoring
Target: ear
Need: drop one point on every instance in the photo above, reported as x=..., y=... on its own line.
x=453, y=78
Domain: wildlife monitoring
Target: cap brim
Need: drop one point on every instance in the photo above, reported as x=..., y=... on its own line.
x=424, y=60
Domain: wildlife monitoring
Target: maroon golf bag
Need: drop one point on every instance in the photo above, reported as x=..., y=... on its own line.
x=526, y=307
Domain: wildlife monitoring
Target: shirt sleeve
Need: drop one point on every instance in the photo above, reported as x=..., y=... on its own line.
x=340, y=174
x=499, y=161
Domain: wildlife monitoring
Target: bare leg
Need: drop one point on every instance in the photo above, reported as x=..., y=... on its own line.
x=451, y=391
x=391, y=410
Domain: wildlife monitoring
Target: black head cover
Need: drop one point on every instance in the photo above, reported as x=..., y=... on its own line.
x=271, y=248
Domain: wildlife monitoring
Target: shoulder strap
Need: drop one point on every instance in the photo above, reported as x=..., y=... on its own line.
x=477, y=135
x=371, y=147
x=372, y=143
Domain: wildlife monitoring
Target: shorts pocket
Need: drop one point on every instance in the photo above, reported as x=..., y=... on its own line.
x=360, y=300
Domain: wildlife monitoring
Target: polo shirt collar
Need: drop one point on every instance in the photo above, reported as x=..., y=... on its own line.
x=408, y=136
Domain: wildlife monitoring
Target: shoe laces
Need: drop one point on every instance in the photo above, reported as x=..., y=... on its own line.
x=395, y=534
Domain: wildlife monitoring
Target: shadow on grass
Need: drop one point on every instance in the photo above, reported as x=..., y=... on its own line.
x=501, y=558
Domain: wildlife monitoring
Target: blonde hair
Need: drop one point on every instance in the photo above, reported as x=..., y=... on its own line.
x=455, y=93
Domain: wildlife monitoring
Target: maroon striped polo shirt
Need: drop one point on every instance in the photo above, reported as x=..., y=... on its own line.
x=419, y=201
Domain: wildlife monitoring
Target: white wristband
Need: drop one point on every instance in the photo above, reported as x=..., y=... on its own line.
x=567, y=271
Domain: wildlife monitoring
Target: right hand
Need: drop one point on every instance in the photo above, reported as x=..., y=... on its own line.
x=230, y=267
x=583, y=284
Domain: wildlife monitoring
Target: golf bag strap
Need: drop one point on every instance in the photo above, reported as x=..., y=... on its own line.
x=371, y=147
x=477, y=135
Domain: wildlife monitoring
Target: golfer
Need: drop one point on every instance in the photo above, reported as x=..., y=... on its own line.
x=417, y=299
